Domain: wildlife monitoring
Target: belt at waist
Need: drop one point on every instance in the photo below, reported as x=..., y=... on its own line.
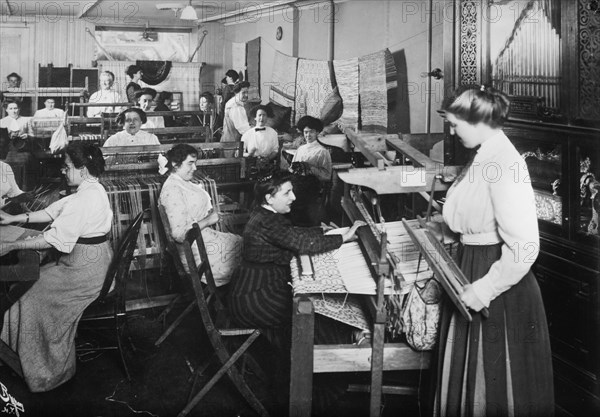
x=488, y=238
x=96, y=240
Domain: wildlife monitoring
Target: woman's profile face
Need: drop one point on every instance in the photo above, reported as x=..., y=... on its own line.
x=137, y=76
x=282, y=200
x=73, y=175
x=12, y=110
x=133, y=123
x=187, y=168
x=468, y=133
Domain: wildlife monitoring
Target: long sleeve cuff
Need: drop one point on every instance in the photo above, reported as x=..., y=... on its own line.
x=484, y=290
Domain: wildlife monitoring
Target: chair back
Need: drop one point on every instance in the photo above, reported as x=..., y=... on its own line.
x=171, y=244
x=196, y=272
x=119, y=267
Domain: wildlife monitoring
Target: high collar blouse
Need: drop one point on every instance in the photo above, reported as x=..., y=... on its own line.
x=494, y=203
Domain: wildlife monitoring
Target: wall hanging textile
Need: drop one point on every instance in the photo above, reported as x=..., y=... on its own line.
x=253, y=69
x=283, y=80
x=347, y=77
x=313, y=86
x=154, y=72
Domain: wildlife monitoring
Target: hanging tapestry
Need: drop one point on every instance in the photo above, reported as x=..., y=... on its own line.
x=313, y=86
x=346, y=75
x=375, y=87
x=184, y=77
x=253, y=69
x=282, y=89
x=154, y=72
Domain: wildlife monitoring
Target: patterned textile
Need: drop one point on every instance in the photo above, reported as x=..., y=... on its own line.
x=313, y=85
x=253, y=69
x=154, y=72
x=184, y=77
x=375, y=85
x=344, y=308
x=347, y=77
x=283, y=80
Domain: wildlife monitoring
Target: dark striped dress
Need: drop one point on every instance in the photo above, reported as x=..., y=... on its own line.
x=261, y=292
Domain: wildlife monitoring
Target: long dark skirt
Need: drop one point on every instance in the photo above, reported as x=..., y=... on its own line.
x=499, y=366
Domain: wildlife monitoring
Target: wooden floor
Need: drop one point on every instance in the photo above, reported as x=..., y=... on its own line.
x=161, y=381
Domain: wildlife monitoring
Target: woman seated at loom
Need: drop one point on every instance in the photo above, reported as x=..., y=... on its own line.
x=144, y=101
x=261, y=292
x=312, y=152
x=106, y=94
x=186, y=202
x=163, y=103
x=261, y=141
x=40, y=327
x=131, y=135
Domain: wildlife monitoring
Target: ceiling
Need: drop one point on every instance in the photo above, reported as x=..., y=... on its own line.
x=135, y=12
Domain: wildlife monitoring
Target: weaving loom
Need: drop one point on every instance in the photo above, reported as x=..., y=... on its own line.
x=383, y=263
x=133, y=184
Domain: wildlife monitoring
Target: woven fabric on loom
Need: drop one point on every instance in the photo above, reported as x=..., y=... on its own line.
x=183, y=77
x=313, y=85
x=253, y=68
x=375, y=85
x=346, y=75
x=282, y=90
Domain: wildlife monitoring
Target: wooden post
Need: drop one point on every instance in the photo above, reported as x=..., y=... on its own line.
x=302, y=357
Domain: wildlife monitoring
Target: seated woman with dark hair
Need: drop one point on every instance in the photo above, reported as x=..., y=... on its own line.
x=131, y=135
x=135, y=73
x=261, y=141
x=41, y=325
x=145, y=98
x=163, y=103
x=312, y=152
x=186, y=202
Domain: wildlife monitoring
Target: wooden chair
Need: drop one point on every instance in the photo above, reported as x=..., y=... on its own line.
x=171, y=247
x=215, y=333
x=108, y=312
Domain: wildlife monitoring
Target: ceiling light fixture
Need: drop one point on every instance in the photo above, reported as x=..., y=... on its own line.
x=188, y=12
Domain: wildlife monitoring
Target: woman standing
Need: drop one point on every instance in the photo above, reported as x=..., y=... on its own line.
x=41, y=325
x=186, y=203
x=135, y=73
x=501, y=365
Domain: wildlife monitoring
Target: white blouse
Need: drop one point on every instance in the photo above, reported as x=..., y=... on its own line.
x=318, y=157
x=185, y=203
x=494, y=203
x=104, y=96
x=20, y=124
x=235, y=121
x=261, y=143
x=86, y=213
x=8, y=185
x=123, y=138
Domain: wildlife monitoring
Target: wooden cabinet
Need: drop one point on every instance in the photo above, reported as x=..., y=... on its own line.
x=544, y=54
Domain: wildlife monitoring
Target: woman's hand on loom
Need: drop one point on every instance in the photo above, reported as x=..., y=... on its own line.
x=442, y=232
x=351, y=233
x=470, y=299
x=6, y=218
